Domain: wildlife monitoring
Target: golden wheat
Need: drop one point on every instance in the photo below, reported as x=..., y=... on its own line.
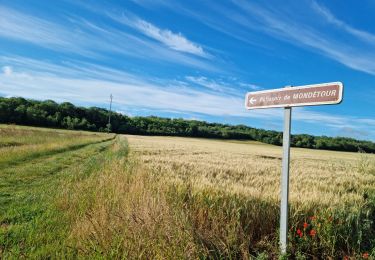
x=253, y=169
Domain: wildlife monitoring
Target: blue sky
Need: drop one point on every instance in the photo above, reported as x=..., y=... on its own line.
x=194, y=59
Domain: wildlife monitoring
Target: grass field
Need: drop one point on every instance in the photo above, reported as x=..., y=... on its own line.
x=70, y=194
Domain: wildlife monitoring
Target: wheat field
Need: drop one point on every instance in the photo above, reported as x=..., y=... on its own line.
x=73, y=194
x=326, y=178
x=233, y=189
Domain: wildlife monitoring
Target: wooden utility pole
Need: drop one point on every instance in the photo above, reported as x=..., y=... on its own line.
x=109, y=115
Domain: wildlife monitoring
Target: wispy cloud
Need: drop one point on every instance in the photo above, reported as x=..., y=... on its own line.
x=89, y=39
x=281, y=26
x=210, y=84
x=85, y=83
x=229, y=86
x=248, y=20
x=16, y=25
x=331, y=18
x=7, y=70
x=38, y=79
x=353, y=132
x=175, y=41
x=250, y=86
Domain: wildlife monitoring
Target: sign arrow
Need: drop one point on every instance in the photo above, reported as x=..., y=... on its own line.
x=252, y=100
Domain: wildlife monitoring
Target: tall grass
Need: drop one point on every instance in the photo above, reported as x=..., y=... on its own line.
x=19, y=144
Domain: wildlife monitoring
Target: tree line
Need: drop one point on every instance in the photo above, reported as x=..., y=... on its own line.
x=65, y=115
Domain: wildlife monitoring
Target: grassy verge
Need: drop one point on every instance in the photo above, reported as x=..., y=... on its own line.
x=31, y=225
x=18, y=145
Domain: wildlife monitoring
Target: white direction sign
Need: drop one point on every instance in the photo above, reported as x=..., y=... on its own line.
x=288, y=97
x=309, y=95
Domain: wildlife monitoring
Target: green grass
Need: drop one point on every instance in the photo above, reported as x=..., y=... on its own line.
x=30, y=223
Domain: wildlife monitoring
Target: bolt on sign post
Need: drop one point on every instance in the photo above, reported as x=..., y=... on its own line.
x=288, y=97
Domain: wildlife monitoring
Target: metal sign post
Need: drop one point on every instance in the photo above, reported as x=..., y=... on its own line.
x=309, y=95
x=284, y=207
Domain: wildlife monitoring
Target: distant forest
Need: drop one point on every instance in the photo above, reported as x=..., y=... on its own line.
x=65, y=115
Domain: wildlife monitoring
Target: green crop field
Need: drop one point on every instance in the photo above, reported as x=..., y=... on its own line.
x=74, y=194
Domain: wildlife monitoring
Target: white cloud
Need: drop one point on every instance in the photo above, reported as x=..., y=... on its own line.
x=326, y=13
x=230, y=86
x=210, y=84
x=142, y=94
x=175, y=41
x=16, y=25
x=353, y=132
x=247, y=19
x=83, y=84
x=92, y=40
x=7, y=70
x=250, y=86
x=369, y=121
x=280, y=25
